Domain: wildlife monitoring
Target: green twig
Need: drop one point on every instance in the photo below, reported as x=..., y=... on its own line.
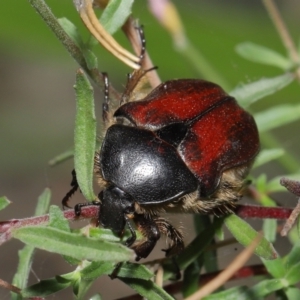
x=46, y=14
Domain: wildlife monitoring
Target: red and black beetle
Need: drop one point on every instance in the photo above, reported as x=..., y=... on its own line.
x=187, y=146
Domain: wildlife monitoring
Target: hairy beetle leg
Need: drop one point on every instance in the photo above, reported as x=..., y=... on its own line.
x=173, y=234
x=77, y=207
x=150, y=231
x=74, y=185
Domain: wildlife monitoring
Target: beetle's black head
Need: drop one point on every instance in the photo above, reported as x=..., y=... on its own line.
x=115, y=204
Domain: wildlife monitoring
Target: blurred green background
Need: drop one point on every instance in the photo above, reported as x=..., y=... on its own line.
x=37, y=104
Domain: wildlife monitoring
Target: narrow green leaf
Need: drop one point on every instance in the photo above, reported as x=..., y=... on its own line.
x=266, y=287
x=85, y=135
x=115, y=14
x=245, y=235
x=61, y=158
x=250, y=93
x=96, y=269
x=81, y=287
x=275, y=267
x=292, y=264
x=74, y=245
x=57, y=219
x=43, y=202
x=26, y=254
x=270, y=229
x=293, y=293
x=147, y=289
x=267, y=155
x=263, y=55
x=91, y=59
x=72, y=31
x=261, y=183
x=190, y=282
x=104, y=234
x=129, y=270
x=46, y=287
x=277, y=116
x=234, y=293
x=24, y=267
x=4, y=202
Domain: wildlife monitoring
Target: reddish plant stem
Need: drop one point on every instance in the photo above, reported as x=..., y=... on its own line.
x=261, y=212
x=6, y=227
x=244, y=272
x=88, y=212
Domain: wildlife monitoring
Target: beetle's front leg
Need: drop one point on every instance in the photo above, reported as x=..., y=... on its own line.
x=173, y=234
x=150, y=231
x=75, y=186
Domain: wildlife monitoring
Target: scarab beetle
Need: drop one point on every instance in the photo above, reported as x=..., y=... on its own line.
x=186, y=146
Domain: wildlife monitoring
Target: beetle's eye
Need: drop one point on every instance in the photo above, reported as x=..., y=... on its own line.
x=124, y=121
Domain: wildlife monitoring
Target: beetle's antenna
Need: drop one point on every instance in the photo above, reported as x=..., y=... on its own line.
x=140, y=30
x=105, y=105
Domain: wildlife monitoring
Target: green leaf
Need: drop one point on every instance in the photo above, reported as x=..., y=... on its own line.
x=234, y=293
x=57, y=219
x=261, y=183
x=250, y=93
x=277, y=116
x=245, y=235
x=96, y=269
x=147, y=289
x=115, y=14
x=61, y=158
x=275, y=267
x=129, y=270
x=74, y=245
x=270, y=229
x=72, y=31
x=266, y=287
x=26, y=254
x=85, y=135
x=81, y=287
x=190, y=282
x=4, y=202
x=46, y=287
x=43, y=202
x=104, y=234
x=292, y=264
x=263, y=55
x=24, y=267
x=293, y=293
x=267, y=155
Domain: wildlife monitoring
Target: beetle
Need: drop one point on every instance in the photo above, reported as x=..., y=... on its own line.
x=186, y=146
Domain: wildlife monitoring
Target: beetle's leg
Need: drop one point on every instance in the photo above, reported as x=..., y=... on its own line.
x=150, y=231
x=74, y=185
x=77, y=207
x=105, y=106
x=129, y=242
x=173, y=234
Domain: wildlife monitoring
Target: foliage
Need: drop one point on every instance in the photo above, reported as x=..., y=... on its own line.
x=95, y=252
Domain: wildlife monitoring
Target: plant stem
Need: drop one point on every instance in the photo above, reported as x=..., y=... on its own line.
x=283, y=32
x=46, y=14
